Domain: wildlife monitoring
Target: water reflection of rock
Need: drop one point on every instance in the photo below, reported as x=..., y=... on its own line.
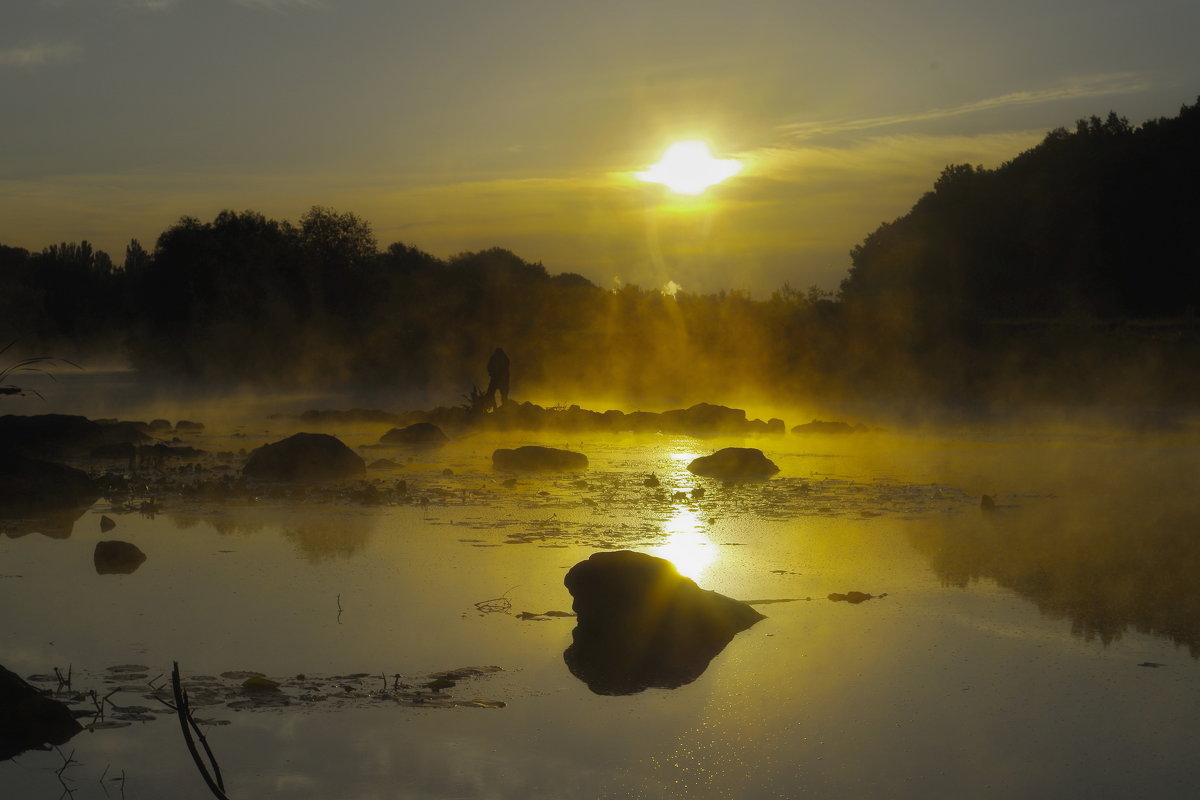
x=54, y=524
x=642, y=625
x=1107, y=573
x=114, y=557
x=319, y=534
x=324, y=539
x=41, y=496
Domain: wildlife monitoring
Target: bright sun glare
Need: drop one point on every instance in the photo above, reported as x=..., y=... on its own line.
x=688, y=546
x=689, y=168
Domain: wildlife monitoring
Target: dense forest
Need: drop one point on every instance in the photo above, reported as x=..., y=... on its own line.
x=1069, y=272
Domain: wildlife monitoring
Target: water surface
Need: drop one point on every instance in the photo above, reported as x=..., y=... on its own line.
x=1005, y=654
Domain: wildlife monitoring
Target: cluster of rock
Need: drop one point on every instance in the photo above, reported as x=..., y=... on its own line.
x=702, y=419
x=63, y=436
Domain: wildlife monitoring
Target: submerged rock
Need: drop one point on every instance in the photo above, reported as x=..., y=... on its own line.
x=115, y=557
x=419, y=434
x=535, y=458
x=734, y=464
x=29, y=719
x=305, y=457
x=643, y=625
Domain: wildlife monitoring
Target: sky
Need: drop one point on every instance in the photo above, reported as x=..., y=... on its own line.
x=454, y=125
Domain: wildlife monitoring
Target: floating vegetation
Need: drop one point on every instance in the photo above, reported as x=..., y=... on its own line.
x=242, y=690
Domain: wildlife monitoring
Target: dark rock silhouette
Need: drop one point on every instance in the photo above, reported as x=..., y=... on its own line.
x=854, y=598
x=28, y=485
x=643, y=625
x=734, y=464
x=115, y=557
x=305, y=457
x=383, y=463
x=535, y=458
x=29, y=720
x=58, y=436
x=419, y=434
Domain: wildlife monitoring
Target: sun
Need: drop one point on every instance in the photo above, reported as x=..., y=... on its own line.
x=689, y=168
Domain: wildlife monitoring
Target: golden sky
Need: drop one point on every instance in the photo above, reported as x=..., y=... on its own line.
x=457, y=126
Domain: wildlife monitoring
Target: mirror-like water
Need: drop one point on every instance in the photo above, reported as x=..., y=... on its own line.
x=1004, y=654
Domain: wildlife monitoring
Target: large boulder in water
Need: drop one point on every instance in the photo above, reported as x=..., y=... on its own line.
x=419, y=434
x=535, y=458
x=734, y=464
x=29, y=486
x=305, y=457
x=643, y=625
x=29, y=719
x=114, y=557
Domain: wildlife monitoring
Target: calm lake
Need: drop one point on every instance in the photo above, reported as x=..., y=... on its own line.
x=1047, y=648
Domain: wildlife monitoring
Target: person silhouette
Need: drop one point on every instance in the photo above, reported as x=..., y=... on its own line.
x=497, y=368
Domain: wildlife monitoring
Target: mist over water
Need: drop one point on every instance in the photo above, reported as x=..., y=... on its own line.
x=1054, y=627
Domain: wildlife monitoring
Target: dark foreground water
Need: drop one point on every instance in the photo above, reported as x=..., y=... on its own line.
x=1046, y=649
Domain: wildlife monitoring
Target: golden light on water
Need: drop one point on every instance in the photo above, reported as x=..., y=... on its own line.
x=689, y=168
x=688, y=546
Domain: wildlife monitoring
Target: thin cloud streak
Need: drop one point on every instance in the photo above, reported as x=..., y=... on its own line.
x=148, y=5
x=37, y=54
x=281, y=4
x=1096, y=86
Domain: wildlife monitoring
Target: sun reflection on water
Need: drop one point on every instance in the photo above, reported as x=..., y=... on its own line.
x=688, y=546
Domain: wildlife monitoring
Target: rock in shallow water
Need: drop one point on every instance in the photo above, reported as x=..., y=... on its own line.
x=419, y=434
x=643, y=625
x=29, y=719
x=734, y=464
x=534, y=458
x=305, y=457
x=28, y=485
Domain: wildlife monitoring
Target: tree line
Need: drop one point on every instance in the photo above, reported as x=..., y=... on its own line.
x=1069, y=269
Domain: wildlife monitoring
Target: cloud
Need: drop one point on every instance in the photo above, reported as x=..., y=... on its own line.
x=148, y=5
x=1093, y=86
x=36, y=54
x=281, y=4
